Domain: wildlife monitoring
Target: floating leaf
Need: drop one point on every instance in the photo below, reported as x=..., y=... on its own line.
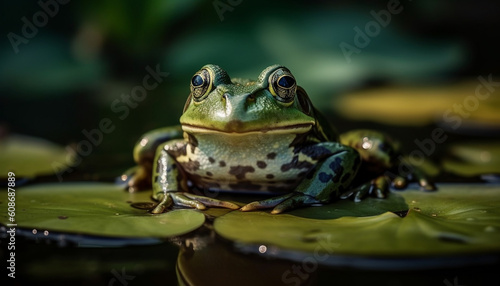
x=470, y=159
x=456, y=219
x=29, y=156
x=97, y=209
x=424, y=105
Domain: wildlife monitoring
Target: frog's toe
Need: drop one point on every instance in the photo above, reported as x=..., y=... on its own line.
x=180, y=199
x=189, y=200
x=265, y=204
x=359, y=193
x=363, y=191
x=295, y=201
x=165, y=202
x=378, y=188
x=426, y=185
x=380, y=193
x=399, y=182
x=210, y=202
x=200, y=202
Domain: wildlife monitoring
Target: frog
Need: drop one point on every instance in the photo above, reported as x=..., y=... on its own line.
x=260, y=136
x=381, y=158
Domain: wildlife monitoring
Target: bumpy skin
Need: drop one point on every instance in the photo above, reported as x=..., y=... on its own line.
x=262, y=136
x=254, y=136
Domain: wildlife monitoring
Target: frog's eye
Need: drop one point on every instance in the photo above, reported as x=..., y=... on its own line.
x=282, y=85
x=201, y=84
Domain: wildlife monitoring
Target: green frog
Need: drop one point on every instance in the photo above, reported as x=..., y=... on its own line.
x=382, y=163
x=264, y=136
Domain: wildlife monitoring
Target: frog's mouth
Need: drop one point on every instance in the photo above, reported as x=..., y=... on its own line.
x=236, y=129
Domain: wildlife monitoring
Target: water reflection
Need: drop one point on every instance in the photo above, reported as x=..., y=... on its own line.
x=207, y=259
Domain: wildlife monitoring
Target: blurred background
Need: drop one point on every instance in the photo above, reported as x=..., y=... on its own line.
x=68, y=69
x=398, y=66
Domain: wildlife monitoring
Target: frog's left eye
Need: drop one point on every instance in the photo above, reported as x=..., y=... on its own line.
x=201, y=84
x=282, y=85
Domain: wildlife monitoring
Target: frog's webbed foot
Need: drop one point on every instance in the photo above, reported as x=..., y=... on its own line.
x=281, y=203
x=189, y=200
x=400, y=182
x=378, y=187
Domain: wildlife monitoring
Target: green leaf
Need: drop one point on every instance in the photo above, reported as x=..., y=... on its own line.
x=96, y=209
x=473, y=158
x=28, y=157
x=457, y=219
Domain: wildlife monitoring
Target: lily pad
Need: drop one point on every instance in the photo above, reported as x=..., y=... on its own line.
x=29, y=156
x=417, y=106
x=457, y=219
x=96, y=209
x=471, y=159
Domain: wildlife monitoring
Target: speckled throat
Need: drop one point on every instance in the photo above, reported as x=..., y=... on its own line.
x=251, y=161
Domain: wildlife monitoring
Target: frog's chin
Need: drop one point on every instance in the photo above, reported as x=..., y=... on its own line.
x=285, y=129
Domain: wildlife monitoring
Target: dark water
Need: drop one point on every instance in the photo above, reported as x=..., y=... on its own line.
x=203, y=258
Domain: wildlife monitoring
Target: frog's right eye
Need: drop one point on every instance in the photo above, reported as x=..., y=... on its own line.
x=282, y=86
x=201, y=84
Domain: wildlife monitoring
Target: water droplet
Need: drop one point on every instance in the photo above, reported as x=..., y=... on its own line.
x=117, y=214
x=46, y=233
x=413, y=202
x=490, y=229
x=434, y=215
x=34, y=231
x=416, y=209
x=470, y=219
x=262, y=249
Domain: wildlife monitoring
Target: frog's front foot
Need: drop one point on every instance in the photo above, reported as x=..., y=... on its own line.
x=378, y=187
x=282, y=203
x=189, y=200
